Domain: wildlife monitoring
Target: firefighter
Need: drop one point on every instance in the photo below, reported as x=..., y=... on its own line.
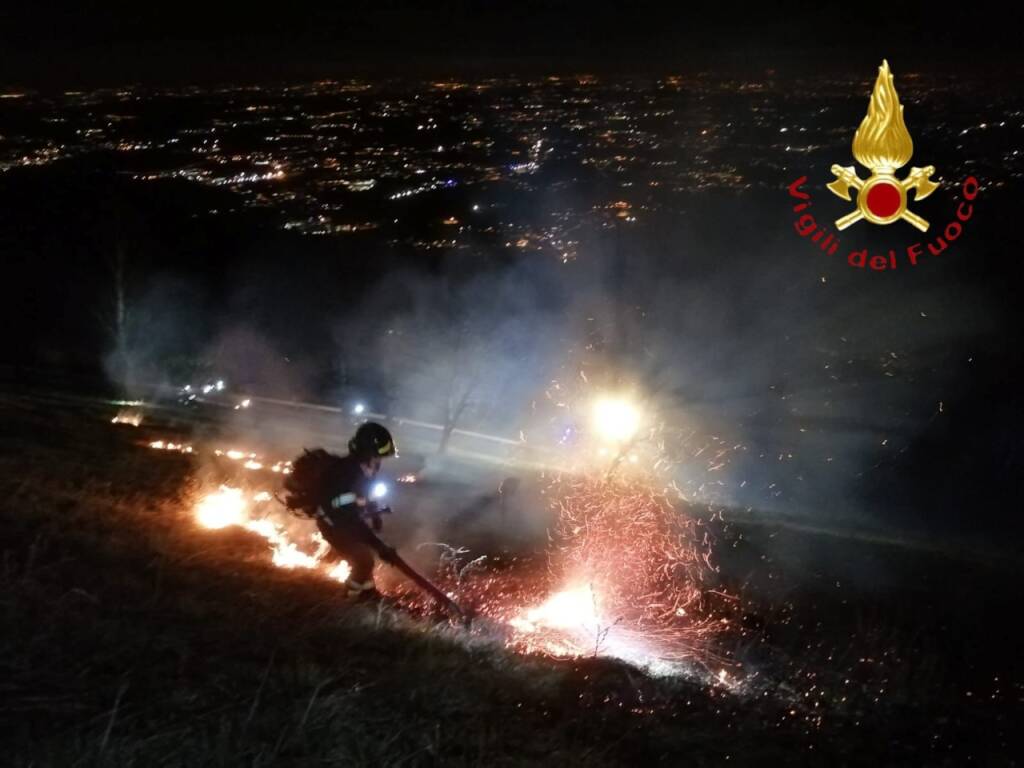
x=347, y=506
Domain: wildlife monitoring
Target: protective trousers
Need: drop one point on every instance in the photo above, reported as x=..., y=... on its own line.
x=346, y=539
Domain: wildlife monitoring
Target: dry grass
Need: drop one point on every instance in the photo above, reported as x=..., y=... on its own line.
x=129, y=637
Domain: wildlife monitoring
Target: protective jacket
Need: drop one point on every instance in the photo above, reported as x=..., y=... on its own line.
x=341, y=517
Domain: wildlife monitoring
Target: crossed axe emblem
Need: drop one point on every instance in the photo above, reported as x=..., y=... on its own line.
x=882, y=198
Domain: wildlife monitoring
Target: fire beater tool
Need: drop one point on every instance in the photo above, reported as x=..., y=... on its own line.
x=391, y=557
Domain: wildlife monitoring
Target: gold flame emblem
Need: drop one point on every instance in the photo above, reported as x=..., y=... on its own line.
x=883, y=145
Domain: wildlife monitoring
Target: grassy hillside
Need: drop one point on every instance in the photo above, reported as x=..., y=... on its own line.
x=130, y=637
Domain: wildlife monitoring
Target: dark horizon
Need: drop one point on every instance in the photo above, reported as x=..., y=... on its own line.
x=77, y=48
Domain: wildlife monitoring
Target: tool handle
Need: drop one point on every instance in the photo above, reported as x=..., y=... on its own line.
x=390, y=556
x=426, y=585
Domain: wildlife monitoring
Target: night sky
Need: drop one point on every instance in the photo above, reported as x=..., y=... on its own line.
x=190, y=43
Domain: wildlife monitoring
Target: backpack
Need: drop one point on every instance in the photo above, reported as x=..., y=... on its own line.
x=308, y=485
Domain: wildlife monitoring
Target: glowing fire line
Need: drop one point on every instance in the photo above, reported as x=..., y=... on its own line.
x=623, y=579
x=230, y=507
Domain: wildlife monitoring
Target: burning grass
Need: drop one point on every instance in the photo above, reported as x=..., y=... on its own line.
x=624, y=578
x=132, y=635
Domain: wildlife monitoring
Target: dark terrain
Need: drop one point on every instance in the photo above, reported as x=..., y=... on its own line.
x=131, y=637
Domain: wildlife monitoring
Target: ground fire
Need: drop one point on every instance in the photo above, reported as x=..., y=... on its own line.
x=624, y=575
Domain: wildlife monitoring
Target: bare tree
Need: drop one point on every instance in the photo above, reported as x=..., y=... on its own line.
x=463, y=380
x=440, y=365
x=458, y=348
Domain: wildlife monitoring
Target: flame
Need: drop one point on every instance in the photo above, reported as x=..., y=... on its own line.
x=134, y=418
x=883, y=143
x=625, y=565
x=254, y=461
x=340, y=572
x=229, y=506
x=604, y=617
x=573, y=623
x=221, y=509
x=629, y=568
x=574, y=608
x=160, y=445
x=285, y=553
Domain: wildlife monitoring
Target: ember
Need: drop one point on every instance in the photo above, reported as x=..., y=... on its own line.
x=160, y=445
x=625, y=573
x=635, y=566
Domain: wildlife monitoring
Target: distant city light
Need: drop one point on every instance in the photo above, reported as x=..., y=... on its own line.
x=282, y=152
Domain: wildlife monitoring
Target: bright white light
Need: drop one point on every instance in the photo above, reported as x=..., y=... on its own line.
x=380, y=490
x=220, y=385
x=358, y=409
x=476, y=207
x=615, y=419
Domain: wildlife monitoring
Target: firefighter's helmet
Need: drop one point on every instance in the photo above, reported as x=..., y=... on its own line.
x=372, y=440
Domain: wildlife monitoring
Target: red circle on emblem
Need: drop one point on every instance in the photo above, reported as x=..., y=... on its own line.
x=884, y=199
